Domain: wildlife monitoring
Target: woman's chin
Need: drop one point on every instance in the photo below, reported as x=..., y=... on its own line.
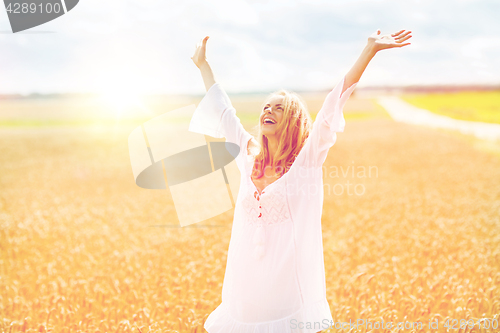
x=268, y=129
x=267, y=132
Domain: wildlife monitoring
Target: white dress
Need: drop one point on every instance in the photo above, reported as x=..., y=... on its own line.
x=275, y=277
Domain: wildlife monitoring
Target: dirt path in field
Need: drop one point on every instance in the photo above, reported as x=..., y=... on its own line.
x=414, y=232
x=405, y=112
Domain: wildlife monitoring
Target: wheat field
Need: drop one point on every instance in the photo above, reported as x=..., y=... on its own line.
x=83, y=249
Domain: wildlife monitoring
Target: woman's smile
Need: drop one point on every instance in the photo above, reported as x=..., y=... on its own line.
x=269, y=121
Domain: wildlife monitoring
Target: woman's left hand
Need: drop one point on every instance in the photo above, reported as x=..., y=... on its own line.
x=381, y=42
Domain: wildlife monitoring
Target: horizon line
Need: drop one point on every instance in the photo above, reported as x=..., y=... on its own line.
x=408, y=88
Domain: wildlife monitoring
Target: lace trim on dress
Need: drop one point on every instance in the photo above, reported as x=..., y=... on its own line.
x=267, y=208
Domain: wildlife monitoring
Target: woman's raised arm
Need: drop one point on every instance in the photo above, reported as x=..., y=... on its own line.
x=200, y=60
x=376, y=42
x=215, y=116
x=330, y=119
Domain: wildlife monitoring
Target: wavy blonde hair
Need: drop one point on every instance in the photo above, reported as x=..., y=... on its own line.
x=292, y=131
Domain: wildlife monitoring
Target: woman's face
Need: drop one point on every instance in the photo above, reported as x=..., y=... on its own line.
x=272, y=110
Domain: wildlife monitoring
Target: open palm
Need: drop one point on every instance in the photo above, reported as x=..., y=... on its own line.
x=382, y=42
x=199, y=57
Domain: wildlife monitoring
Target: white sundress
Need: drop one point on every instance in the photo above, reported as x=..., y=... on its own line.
x=275, y=277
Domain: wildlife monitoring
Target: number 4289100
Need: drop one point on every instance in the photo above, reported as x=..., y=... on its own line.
x=25, y=8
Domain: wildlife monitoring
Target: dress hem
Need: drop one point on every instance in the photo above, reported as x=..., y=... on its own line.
x=311, y=318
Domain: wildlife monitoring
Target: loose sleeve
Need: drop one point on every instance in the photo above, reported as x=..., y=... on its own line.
x=216, y=117
x=329, y=120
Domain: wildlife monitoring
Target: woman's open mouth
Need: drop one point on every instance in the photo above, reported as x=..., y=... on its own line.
x=269, y=121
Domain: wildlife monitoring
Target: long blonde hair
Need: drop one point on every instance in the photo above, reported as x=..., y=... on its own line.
x=293, y=131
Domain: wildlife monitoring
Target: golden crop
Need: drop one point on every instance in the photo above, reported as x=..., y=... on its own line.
x=83, y=249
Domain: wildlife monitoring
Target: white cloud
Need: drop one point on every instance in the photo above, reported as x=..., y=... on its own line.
x=476, y=47
x=237, y=12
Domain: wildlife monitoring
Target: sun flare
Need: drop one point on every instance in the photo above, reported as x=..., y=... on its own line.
x=123, y=103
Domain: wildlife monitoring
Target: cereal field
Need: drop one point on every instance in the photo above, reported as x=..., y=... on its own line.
x=83, y=249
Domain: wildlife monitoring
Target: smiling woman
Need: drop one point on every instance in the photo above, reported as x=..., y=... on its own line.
x=284, y=119
x=275, y=273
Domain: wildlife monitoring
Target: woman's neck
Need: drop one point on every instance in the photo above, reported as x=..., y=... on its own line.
x=272, y=145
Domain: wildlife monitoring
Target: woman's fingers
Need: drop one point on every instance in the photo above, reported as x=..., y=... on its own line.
x=397, y=33
x=400, y=40
x=404, y=35
x=400, y=43
x=202, y=42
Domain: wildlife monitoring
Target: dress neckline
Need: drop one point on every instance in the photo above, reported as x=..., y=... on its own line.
x=265, y=187
x=252, y=158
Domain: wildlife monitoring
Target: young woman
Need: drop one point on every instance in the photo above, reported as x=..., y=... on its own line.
x=275, y=280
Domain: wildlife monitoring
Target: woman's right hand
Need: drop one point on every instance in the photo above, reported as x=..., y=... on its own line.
x=199, y=57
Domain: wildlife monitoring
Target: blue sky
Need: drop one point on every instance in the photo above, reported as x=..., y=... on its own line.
x=145, y=46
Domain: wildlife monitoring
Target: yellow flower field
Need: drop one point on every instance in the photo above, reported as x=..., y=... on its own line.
x=83, y=249
x=481, y=106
